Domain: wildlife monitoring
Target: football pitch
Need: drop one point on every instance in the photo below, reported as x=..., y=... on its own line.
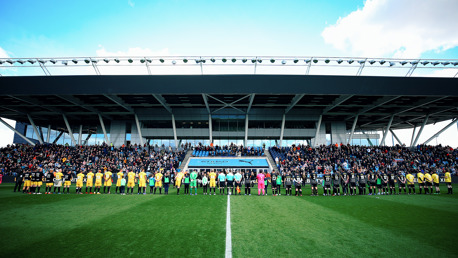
x=184, y=226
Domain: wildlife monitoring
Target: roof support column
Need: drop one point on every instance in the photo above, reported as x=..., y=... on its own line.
x=58, y=137
x=69, y=129
x=210, y=128
x=441, y=131
x=174, y=131
x=87, y=138
x=396, y=137
x=413, y=135
x=35, y=129
x=245, y=143
x=48, y=136
x=16, y=131
x=282, y=130
x=353, y=129
x=421, y=130
x=80, y=135
x=386, y=131
x=317, y=130
x=103, y=129
x=139, y=129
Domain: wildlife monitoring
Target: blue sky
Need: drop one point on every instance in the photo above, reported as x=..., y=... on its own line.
x=374, y=28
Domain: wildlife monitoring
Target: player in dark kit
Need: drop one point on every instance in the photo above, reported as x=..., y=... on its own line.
x=273, y=179
x=247, y=178
x=336, y=178
x=362, y=183
x=313, y=183
x=298, y=183
x=327, y=183
x=352, y=180
x=385, y=179
x=402, y=182
x=49, y=178
x=372, y=182
x=68, y=177
x=391, y=182
x=288, y=183
x=344, y=180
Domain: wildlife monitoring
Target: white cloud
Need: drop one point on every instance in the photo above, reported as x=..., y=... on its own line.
x=402, y=29
x=132, y=4
x=6, y=135
x=3, y=53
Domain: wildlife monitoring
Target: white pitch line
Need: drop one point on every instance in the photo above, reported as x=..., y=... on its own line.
x=228, y=229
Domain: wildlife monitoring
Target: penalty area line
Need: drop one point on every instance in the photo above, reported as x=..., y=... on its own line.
x=228, y=229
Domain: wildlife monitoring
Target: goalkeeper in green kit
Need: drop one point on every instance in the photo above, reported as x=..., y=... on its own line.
x=193, y=182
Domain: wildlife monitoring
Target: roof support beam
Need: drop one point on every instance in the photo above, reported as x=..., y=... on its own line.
x=386, y=131
x=163, y=102
x=120, y=102
x=251, y=103
x=294, y=101
x=245, y=143
x=204, y=96
x=35, y=129
x=80, y=135
x=139, y=129
x=441, y=131
x=229, y=104
x=378, y=103
x=337, y=102
x=353, y=129
x=48, y=136
x=282, y=130
x=421, y=130
x=210, y=128
x=58, y=137
x=175, y=137
x=413, y=135
x=102, y=124
x=69, y=129
x=79, y=103
x=317, y=131
x=396, y=137
x=17, y=132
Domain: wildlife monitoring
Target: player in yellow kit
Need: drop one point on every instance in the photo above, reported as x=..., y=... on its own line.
x=428, y=183
x=98, y=181
x=89, y=181
x=448, y=182
x=410, y=182
x=435, y=177
x=120, y=175
x=58, y=180
x=130, y=182
x=107, y=181
x=79, y=182
x=158, y=179
x=212, y=177
x=142, y=182
x=178, y=179
x=421, y=180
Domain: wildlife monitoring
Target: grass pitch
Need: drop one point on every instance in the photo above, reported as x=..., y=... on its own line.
x=183, y=226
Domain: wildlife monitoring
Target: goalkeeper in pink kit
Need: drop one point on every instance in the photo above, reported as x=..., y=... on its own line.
x=260, y=177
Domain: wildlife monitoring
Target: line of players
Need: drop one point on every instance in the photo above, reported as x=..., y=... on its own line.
x=377, y=183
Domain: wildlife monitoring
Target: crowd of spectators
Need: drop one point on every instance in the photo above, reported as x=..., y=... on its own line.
x=232, y=150
x=16, y=158
x=304, y=159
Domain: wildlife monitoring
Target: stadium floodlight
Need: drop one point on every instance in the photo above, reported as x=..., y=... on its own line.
x=327, y=61
x=351, y=61
x=31, y=61
x=53, y=61
x=296, y=61
x=130, y=60
x=224, y=60
x=87, y=61
x=382, y=62
x=445, y=63
x=283, y=62
x=315, y=61
x=106, y=60
x=2, y=62
x=75, y=61
x=372, y=62
x=65, y=62
x=117, y=60
x=42, y=61
x=259, y=60
x=361, y=61
x=455, y=63
x=425, y=62
x=339, y=61
x=10, y=61
x=403, y=62
x=234, y=60
x=272, y=60
x=213, y=60
x=21, y=61
x=414, y=62
x=142, y=61
x=95, y=61
x=185, y=60
x=307, y=61
x=174, y=62
x=435, y=63
x=197, y=61
x=161, y=60
x=253, y=60
x=244, y=60
x=149, y=60
x=392, y=63
x=203, y=60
